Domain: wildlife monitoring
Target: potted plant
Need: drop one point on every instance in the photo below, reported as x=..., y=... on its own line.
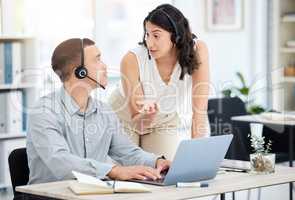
x=262, y=161
x=242, y=92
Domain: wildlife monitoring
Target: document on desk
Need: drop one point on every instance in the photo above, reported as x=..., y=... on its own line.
x=86, y=184
x=236, y=165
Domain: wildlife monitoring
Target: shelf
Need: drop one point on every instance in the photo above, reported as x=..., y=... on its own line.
x=289, y=79
x=288, y=49
x=288, y=18
x=7, y=136
x=15, y=37
x=16, y=86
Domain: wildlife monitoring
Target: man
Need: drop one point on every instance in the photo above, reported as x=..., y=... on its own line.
x=69, y=130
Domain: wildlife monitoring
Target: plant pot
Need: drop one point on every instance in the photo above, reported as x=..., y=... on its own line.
x=262, y=163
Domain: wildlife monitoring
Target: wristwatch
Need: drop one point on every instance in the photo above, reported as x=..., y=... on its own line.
x=162, y=157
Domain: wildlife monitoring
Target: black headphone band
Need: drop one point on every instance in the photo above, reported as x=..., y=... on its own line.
x=82, y=52
x=81, y=71
x=172, y=22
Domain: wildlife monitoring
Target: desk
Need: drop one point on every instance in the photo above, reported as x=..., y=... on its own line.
x=223, y=183
x=289, y=125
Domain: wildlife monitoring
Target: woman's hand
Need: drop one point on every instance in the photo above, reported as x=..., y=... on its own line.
x=147, y=107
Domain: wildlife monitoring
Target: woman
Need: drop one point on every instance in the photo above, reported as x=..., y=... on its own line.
x=166, y=72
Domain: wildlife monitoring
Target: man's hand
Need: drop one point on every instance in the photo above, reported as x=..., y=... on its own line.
x=133, y=172
x=162, y=165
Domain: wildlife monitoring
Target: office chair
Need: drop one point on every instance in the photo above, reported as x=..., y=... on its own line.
x=19, y=170
x=220, y=111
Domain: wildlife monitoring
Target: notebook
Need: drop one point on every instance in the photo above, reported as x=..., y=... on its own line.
x=86, y=185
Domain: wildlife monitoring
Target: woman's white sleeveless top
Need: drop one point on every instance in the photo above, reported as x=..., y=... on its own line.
x=174, y=97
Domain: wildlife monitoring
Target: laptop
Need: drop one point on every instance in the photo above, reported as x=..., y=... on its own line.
x=195, y=160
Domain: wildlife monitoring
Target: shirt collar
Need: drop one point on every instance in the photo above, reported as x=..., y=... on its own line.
x=71, y=105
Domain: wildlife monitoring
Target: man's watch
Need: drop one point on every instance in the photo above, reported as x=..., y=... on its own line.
x=162, y=157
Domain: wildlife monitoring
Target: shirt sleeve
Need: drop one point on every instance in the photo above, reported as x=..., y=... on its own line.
x=45, y=133
x=124, y=151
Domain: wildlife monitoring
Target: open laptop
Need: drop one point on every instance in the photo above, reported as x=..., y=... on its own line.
x=195, y=160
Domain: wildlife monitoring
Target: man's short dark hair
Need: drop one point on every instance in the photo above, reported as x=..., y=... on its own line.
x=67, y=55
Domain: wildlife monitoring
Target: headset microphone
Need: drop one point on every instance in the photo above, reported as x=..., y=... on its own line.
x=81, y=71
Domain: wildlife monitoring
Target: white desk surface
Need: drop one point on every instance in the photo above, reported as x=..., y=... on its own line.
x=228, y=182
x=263, y=120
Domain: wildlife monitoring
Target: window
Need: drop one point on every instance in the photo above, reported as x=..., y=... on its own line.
x=51, y=22
x=118, y=28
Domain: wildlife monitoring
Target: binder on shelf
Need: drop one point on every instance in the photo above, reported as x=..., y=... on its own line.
x=7, y=63
x=3, y=113
x=24, y=111
x=11, y=59
x=11, y=112
x=2, y=66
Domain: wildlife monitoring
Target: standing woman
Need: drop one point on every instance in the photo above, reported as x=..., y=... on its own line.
x=165, y=73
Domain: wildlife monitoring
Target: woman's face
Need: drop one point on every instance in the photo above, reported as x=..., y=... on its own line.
x=158, y=41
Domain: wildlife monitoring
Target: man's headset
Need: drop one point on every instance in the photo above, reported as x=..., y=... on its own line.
x=81, y=71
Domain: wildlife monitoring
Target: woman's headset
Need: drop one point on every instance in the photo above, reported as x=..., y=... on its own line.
x=172, y=22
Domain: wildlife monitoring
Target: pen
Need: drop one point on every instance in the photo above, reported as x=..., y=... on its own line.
x=236, y=170
x=191, y=184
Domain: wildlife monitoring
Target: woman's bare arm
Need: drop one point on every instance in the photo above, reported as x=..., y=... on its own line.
x=134, y=92
x=200, y=93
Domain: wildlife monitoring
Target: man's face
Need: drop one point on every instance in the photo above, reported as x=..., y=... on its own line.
x=96, y=68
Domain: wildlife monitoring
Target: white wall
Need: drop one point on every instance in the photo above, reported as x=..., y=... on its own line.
x=231, y=51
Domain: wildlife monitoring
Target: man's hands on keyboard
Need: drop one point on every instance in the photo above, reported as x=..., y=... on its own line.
x=162, y=165
x=134, y=172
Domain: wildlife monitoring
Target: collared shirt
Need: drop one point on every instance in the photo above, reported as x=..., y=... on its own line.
x=57, y=132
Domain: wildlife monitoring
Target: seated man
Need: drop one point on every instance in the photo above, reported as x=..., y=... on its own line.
x=68, y=130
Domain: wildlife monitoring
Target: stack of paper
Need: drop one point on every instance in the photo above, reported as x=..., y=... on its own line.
x=86, y=184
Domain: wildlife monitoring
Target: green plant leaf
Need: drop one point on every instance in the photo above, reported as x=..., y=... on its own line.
x=242, y=79
x=244, y=91
x=256, y=109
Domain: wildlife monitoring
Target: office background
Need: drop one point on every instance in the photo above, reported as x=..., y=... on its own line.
x=255, y=38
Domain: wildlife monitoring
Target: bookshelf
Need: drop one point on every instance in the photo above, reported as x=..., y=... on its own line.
x=25, y=83
x=19, y=75
x=288, y=50
x=283, y=55
x=15, y=86
x=8, y=136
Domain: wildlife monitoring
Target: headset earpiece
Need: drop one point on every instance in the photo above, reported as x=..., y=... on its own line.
x=81, y=72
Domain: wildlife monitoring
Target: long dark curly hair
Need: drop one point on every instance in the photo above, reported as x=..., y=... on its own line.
x=172, y=20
